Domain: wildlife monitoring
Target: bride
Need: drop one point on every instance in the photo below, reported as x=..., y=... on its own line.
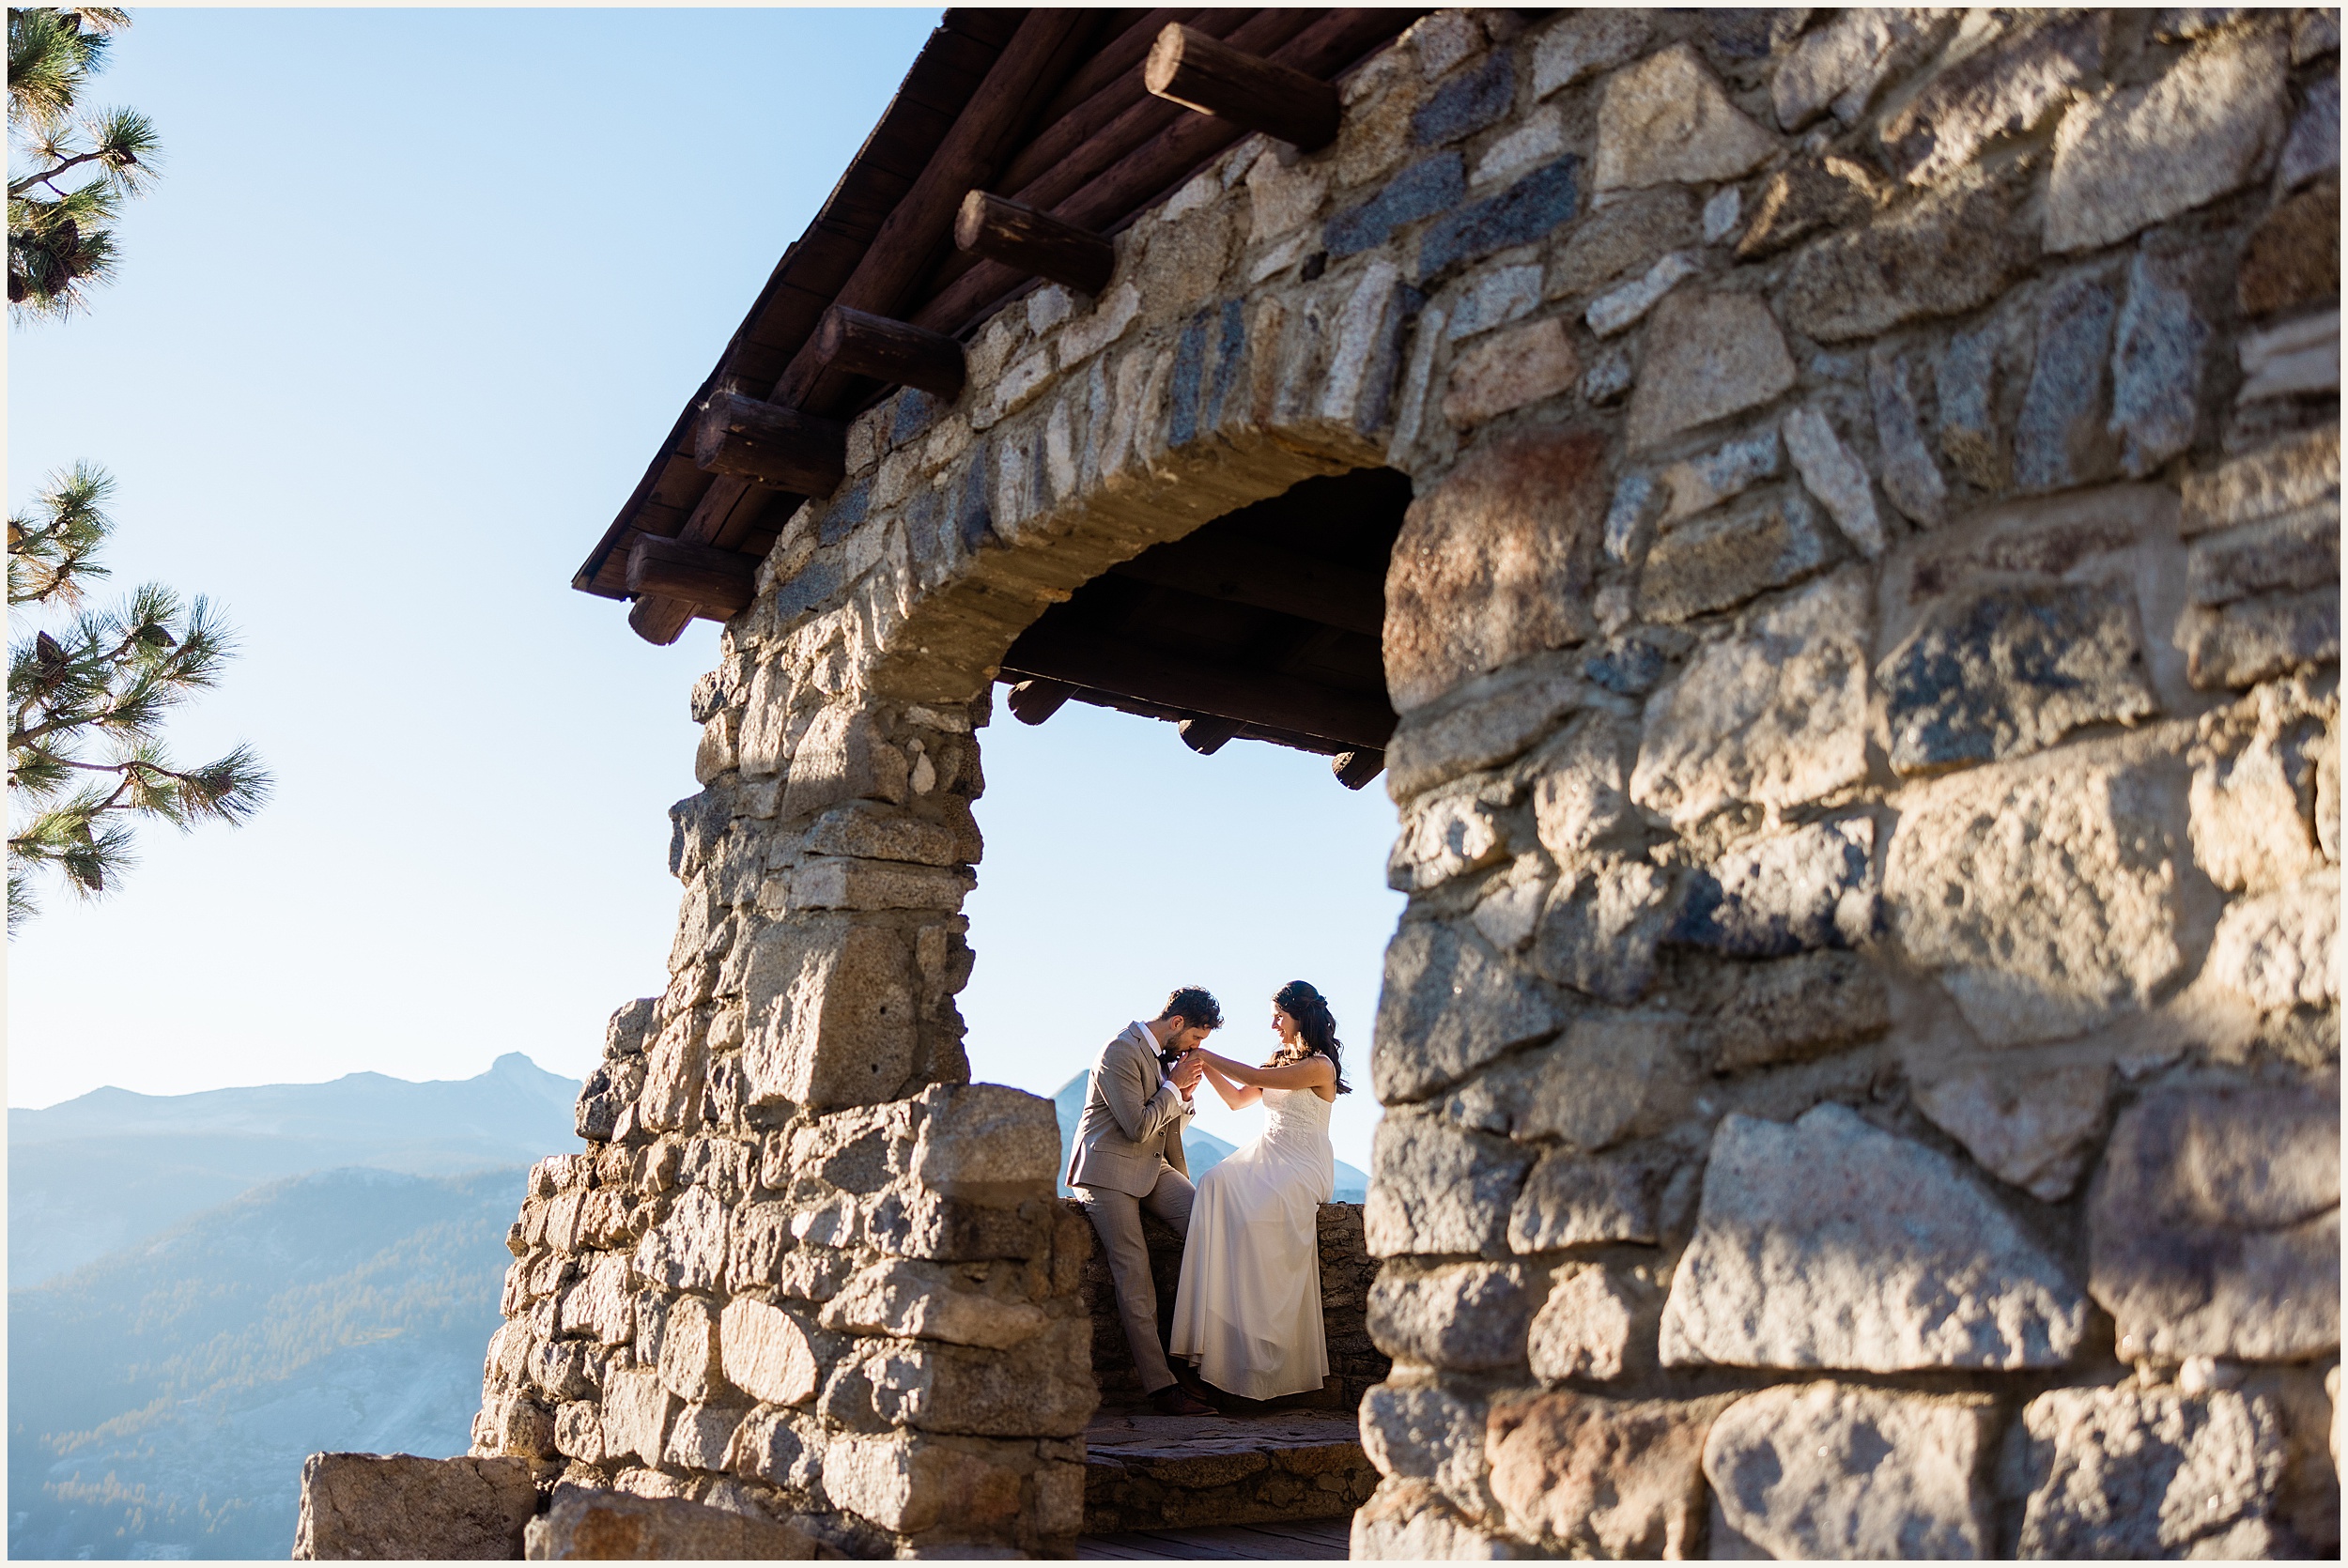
x=1247, y=1313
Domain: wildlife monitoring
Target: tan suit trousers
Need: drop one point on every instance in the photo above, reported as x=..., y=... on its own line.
x=1117, y=1219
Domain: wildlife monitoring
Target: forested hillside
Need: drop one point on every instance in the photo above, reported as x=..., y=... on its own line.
x=162, y=1400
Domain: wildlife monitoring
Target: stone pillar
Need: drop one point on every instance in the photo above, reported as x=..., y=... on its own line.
x=1862, y=1052
x=805, y=1272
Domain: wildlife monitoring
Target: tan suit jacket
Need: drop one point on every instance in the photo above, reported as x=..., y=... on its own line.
x=1132, y=1121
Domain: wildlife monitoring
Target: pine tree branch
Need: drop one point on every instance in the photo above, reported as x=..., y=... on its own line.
x=48, y=176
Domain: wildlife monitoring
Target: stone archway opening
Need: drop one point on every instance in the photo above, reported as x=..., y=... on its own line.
x=1262, y=625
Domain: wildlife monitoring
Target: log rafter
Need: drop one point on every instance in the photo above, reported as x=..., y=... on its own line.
x=1046, y=106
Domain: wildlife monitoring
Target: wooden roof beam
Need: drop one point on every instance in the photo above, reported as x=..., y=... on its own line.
x=1033, y=702
x=719, y=584
x=895, y=353
x=775, y=446
x=1188, y=68
x=1019, y=236
x=1206, y=735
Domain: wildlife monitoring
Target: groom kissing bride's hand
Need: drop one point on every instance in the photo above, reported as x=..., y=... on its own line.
x=1247, y=1312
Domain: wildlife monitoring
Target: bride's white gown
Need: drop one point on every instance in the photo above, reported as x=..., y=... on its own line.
x=1247, y=1312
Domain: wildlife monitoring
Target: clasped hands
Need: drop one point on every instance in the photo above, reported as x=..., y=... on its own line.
x=1187, y=1069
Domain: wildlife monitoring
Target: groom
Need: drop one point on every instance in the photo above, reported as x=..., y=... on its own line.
x=1129, y=1157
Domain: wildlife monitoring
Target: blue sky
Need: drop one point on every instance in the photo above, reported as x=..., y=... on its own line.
x=416, y=299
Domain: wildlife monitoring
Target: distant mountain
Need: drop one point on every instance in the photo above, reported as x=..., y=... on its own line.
x=260, y=1299
x=1200, y=1150
x=161, y=1401
x=111, y=1168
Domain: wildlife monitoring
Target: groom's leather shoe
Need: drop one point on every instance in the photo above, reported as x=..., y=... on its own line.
x=1188, y=1383
x=1172, y=1401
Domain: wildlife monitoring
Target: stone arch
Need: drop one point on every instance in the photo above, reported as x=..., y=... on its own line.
x=1739, y=490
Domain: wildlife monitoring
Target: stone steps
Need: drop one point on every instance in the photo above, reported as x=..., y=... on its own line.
x=1148, y=1472
x=1304, y=1541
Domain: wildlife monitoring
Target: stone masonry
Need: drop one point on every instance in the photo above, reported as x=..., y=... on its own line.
x=1860, y=1056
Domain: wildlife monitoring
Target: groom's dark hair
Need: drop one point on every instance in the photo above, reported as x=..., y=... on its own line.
x=1195, y=1005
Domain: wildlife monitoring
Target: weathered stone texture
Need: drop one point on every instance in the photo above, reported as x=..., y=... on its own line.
x=1583, y=1330
x=2257, y=790
x=2147, y=153
x=2147, y=1473
x=1796, y=1009
x=1409, y=1521
x=1611, y=1075
x=2033, y=1128
x=2216, y=1226
x=2282, y=949
x=1708, y=356
x=1831, y=1244
x=1601, y=1477
x=1599, y=927
x=1625, y=237
x=585, y=1525
x=1436, y=1188
x=2012, y=86
x=371, y=1506
x=1583, y=43
x=1494, y=563
x=1804, y=197
x=2046, y=896
x=832, y=1016
x=2012, y=670
x=1810, y=889
x=1424, y=1433
x=1836, y=1471
x=1943, y=254
x=1666, y=119
x=1774, y=713
x=1574, y=1199
x=2293, y=255
x=1462, y=1317
x=1426, y=1037
x=1722, y=559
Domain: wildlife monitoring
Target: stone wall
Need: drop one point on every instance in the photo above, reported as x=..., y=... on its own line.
x=1346, y=1270
x=1861, y=1051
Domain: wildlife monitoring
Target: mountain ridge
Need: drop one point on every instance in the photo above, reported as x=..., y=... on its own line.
x=106, y=1170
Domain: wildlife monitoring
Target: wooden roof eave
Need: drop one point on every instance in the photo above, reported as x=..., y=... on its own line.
x=928, y=283
x=924, y=93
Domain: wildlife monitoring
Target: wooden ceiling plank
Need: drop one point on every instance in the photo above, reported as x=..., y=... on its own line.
x=1250, y=696
x=1146, y=119
x=730, y=511
x=896, y=353
x=1266, y=577
x=1159, y=164
x=1113, y=80
x=1116, y=50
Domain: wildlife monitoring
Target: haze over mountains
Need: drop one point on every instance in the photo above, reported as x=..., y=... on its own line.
x=103, y=1170
x=207, y=1288
x=286, y=1269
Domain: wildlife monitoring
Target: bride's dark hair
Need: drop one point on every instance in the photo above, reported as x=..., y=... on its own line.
x=1316, y=1028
